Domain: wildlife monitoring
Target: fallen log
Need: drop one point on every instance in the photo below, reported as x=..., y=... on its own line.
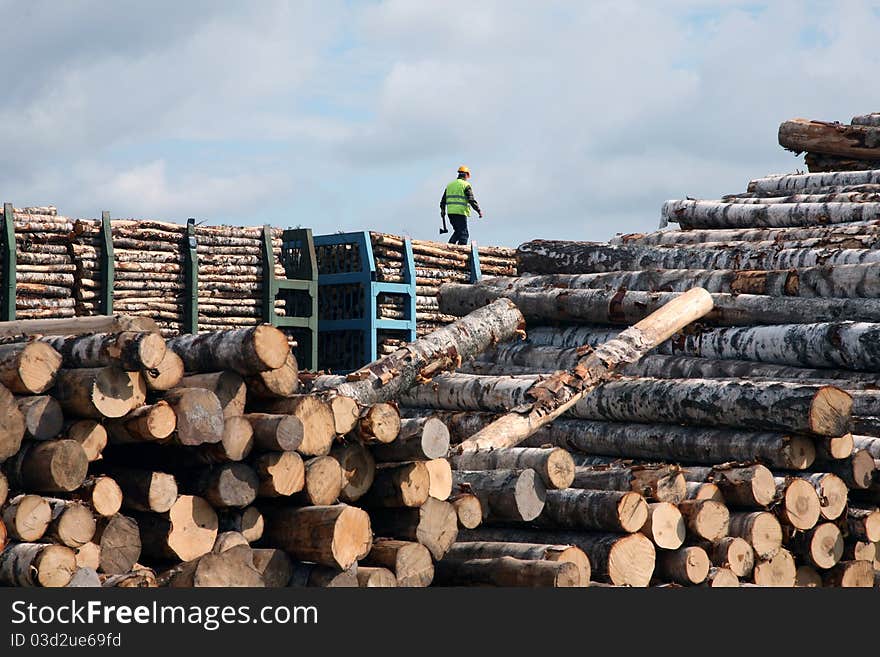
x=599, y=510
x=232, y=568
x=419, y=438
x=26, y=518
x=712, y=214
x=706, y=519
x=57, y=466
x=72, y=524
x=659, y=483
x=688, y=566
x=78, y=325
x=229, y=388
x=43, y=417
x=821, y=546
x=129, y=350
x=733, y=553
x=120, y=544
x=622, y=559
x=102, y=392
x=358, y=468
x=778, y=570
x=760, y=528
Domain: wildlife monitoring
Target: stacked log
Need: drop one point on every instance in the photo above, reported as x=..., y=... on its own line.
x=150, y=274
x=834, y=146
x=773, y=498
x=44, y=276
x=177, y=464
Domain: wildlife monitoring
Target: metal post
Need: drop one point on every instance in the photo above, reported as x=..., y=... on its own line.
x=270, y=289
x=108, y=265
x=191, y=280
x=7, y=311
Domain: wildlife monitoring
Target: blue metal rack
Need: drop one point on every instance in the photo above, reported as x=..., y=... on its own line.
x=366, y=277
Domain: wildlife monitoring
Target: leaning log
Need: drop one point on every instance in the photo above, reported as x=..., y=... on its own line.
x=561, y=392
x=444, y=349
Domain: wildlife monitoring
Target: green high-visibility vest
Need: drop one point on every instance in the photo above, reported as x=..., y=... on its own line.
x=456, y=201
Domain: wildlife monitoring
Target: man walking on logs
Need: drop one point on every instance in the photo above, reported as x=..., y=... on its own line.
x=458, y=197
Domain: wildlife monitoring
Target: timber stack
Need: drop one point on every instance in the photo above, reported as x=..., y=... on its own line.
x=436, y=263
x=44, y=277
x=834, y=146
x=766, y=407
x=150, y=277
x=59, y=270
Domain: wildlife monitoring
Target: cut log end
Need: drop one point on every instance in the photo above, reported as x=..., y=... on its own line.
x=37, y=366
x=352, y=537
x=55, y=566
x=469, y=510
x=631, y=561
x=632, y=510
x=830, y=412
x=270, y=345
x=800, y=504
x=105, y=496
x=193, y=527
x=665, y=526
x=825, y=545
x=779, y=571
x=807, y=577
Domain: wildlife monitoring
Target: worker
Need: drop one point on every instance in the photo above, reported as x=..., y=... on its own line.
x=458, y=198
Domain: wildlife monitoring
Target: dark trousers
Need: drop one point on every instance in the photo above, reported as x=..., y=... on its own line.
x=459, y=229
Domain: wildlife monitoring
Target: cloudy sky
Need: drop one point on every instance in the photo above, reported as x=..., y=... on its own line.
x=577, y=119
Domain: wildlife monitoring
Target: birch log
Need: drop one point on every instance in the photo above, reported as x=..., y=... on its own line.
x=659, y=483
x=506, y=495
x=597, y=510
x=844, y=281
x=847, y=345
x=712, y=214
x=384, y=379
x=560, y=392
x=129, y=350
x=624, y=307
x=797, y=182
x=559, y=257
x=816, y=409
x=43, y=418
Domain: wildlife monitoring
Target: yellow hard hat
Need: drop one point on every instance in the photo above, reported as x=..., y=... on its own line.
x=463, y=169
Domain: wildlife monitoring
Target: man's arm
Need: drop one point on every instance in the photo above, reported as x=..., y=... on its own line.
x=443, y=204
x=469, y=195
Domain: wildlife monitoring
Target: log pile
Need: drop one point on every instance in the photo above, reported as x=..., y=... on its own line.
x=765, y=407
x=150, y=274
x=834, y=146
x=59, y=270
x=435, y=263
x=44, y=277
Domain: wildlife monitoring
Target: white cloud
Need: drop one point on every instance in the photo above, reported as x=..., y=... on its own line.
x=578, y=119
